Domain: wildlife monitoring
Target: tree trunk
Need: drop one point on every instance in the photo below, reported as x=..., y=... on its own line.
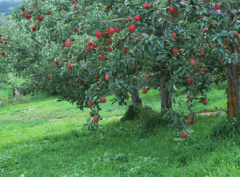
x=233, y=93
x=136, y=99
x=166, y=96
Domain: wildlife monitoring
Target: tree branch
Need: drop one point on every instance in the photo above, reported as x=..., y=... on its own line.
x=119, y=19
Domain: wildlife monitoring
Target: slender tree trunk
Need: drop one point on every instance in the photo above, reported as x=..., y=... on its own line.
x=166, y=95
x=233, y=93
x=136, y=99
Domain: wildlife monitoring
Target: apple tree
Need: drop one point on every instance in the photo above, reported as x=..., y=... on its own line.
x=87, y=50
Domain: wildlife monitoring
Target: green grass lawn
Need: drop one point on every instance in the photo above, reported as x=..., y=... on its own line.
x=44, y=138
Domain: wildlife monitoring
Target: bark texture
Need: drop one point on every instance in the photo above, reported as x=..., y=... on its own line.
x=136, y=99
x=233, y=93
x=166, y=96
x=233, y=80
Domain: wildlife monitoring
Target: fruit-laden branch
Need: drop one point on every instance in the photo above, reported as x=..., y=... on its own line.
x=183, y=5
x=211, y=12
x=119, y=19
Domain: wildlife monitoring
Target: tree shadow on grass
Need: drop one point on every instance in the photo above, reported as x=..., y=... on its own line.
x=117, y=147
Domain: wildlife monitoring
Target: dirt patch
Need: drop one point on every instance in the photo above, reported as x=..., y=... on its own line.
x=119, y=117
x=114, y=117
x=211, y=113
x=19, y=119
x=25, y=110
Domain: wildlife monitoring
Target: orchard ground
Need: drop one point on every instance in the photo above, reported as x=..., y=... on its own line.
x=42, y=137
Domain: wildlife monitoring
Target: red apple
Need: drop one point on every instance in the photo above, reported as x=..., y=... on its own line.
x=190, y=81
x=137, y=18
x=205, y=30
x=34, y=5
x=100, y=57
x=75, y=29
x=36, y=84
x=235, y=34
x=70, y=66
x=34, y=28
x=125, y=50
x=205, y=102
x=116, y=29
x=72, y=84
x=222, y=60
x=3, y=53
x=81, y=81
x=96, y=77
x=109, y=49
x=40, y=18
x=177, y=12
x=57, y=62
x=146, y=6
x=28, y=16
x=108, y=7
x=23, y=14
x=68, y=43
x=103, y=100
x=89, y=48
x=94, y=44
x=48, y=78
x=144, y=91
x=111, y=31
x=95, y=119
x=171, y=9
x=184, y=135
x=107, y=77
x=75, y=2
x=175, y=51
x=194, y=63
x=190, y=121
x=1, y=41
x=98, y=34
x=90, y=103
x=89, y=43
x=109, y=41
x=132, y=28
x=174, y=35
x=214, y=24
x=197, y=10
x=217, y=6
x=139, y=38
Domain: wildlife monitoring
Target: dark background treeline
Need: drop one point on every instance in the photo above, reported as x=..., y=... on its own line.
x=6, y=4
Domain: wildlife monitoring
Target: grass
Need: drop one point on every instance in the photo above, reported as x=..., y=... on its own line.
x=44, y=138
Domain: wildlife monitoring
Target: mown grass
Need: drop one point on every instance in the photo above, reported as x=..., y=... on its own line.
x=44, y=138
x=118, y=149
